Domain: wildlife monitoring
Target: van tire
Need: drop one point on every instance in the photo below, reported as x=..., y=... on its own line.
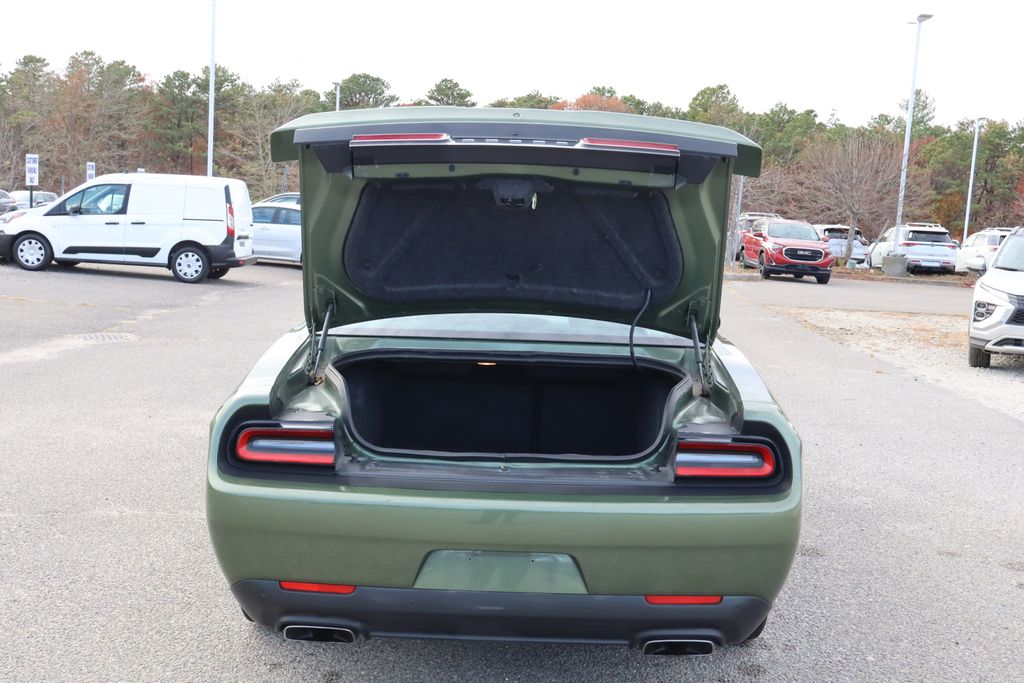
x=218, y=273
x=32, y=252
x=190, y=264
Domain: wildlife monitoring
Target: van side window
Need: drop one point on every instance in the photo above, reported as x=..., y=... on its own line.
x=74, y=201
x=289, y=217
x=104, y=199
x=95, y=200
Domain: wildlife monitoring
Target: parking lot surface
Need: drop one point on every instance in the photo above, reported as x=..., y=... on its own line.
x=911, y=563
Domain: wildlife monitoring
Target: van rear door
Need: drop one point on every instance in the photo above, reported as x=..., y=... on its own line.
x=236, y=194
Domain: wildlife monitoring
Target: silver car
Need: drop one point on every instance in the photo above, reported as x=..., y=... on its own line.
x=276, y=231
x=39, y=198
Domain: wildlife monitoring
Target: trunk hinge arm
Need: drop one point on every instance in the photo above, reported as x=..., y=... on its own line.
x=316, y=352
x=703, y=357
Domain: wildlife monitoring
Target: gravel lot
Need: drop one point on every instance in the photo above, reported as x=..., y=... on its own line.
x=911, y=565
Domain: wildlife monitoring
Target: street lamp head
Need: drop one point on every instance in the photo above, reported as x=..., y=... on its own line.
x=921, y=18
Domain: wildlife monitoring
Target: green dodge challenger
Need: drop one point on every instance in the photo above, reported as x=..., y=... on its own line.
x=508, y=416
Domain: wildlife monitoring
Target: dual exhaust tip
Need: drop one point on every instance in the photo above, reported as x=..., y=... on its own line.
x=678, y=648
x=337, y=634
x=320, y=634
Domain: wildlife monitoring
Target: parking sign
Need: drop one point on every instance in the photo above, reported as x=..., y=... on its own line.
x=31, y=170
x=90, y=170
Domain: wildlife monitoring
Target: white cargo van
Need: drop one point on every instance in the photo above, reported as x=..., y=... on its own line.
x=196, y=226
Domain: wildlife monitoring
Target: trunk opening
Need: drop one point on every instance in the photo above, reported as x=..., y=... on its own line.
x=506, y=406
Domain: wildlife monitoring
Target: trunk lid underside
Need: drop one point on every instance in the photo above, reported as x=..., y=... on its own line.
x=445, y=210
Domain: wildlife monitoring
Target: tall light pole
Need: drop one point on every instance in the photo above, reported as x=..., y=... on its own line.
x=213, y=78
x=921, y=18
x=337, y=96
x=970, y=184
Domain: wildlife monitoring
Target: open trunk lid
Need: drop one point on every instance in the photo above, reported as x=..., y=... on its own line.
x=614, y=217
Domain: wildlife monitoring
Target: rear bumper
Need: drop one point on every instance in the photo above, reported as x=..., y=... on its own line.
x=479, y=615
x=939, y=263
x=223, y=256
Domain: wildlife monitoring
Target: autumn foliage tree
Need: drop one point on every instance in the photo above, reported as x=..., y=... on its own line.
x=853, y=180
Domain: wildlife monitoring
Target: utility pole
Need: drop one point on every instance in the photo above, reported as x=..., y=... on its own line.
x=213, y=79
x=921, y=18
x=970, y=184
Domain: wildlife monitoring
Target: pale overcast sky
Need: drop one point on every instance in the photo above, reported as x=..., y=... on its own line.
x=853, y=58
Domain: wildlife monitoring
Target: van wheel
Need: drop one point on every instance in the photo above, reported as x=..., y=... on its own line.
x=32, y=252
x=978, y=358
x=190, y=264
x=218, y=273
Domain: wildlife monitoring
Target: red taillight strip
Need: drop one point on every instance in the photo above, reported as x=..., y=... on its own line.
x=766, y=468
x=683, y=599
x=280, y=452
x=401, y=137
x=336, y=588
x=631, y=144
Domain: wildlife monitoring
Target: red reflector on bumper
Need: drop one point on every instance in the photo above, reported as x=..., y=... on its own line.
x=337, y=588
x=683, y=599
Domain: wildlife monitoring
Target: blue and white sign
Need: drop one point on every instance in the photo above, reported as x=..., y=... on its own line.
x=31, y=170
x=140, y=170
x=90, y=170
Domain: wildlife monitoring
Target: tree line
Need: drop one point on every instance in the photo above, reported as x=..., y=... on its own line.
x=823, y=171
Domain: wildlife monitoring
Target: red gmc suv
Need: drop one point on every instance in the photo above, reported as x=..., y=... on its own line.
x=779, y=246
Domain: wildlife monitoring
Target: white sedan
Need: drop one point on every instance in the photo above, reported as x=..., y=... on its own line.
x=277, y=231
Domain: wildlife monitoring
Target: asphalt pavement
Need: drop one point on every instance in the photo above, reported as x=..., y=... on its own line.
x=911, y=563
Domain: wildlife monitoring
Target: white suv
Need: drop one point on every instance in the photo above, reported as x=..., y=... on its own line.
x=984, y=243
x=197, y=227
x=927, y=246
x=997, y=315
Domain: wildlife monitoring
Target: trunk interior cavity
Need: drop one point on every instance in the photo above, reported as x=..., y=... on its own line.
x=501, y=406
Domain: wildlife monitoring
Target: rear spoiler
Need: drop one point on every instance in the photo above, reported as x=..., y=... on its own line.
x=341, y=148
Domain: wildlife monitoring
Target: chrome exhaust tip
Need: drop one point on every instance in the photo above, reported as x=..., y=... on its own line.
x=678, y=648
x=319, y=634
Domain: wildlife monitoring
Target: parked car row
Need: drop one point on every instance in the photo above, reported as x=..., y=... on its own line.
x=19, y=199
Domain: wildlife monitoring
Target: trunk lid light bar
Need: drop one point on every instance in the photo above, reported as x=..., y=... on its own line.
x=724, y=459
x=286, y=446
x=609, y=144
